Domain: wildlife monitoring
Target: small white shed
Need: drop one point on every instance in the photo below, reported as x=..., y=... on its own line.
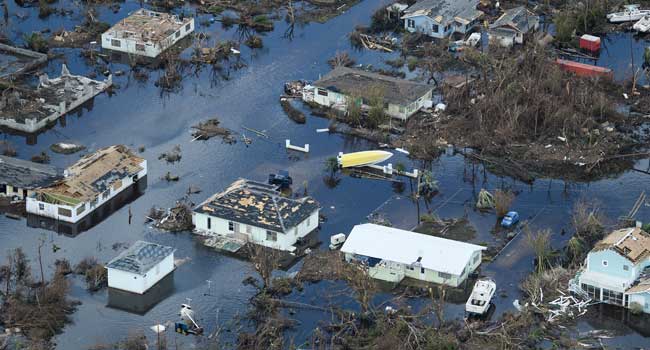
x=140, y=267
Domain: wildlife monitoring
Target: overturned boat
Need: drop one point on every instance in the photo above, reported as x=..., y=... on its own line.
x=481, y=297
x=362, y=158
x=643, y=25
x=630, y=13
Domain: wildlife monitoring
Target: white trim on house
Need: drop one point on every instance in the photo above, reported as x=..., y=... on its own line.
x=403, y=253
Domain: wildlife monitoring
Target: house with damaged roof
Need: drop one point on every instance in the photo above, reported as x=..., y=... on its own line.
x=402, y=98
x=92, y=181
x=19, y=178
x=140, y=267
x=512, y=26
x=255, y=212
x=442, y=18
x=617, y=270
x=147, y=33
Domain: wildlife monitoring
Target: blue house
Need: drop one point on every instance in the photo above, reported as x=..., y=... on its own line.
x=617, y=270
x=442, y=18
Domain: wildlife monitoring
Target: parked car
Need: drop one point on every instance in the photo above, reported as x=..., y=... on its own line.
x=511, y=219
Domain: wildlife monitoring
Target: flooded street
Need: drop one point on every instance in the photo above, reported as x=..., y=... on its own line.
x=139, y=114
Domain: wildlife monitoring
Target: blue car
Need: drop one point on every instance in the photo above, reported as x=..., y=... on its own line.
x=511, y=219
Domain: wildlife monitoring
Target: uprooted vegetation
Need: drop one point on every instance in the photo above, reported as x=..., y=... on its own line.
x=94, y=274
x=210, y=128
x=38, y=307
x=525, y=109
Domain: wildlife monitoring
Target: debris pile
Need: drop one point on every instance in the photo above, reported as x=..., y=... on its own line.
x=178, y=218
x=172, y=156
x=209, y=129
x=66, y=147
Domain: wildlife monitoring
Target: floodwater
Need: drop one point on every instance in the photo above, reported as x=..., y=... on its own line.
x=139, y=114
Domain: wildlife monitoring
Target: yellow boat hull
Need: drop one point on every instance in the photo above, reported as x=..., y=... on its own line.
x=363, y=158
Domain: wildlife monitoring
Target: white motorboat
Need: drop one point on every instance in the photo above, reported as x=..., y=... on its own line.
x=643, y=25
x=482, y=293
x=630, y=13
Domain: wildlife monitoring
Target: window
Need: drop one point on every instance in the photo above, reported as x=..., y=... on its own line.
x=308, y=219
x=249, y=229
x=322, y=92
x=444, y=276
x=81, y=209
x=105, y=194
x=421, y=269
x=402, y=109
x=231, y=226
x=209, y=223
x=178, y=34
x=139, y=47
x=410, y=267
x=93, y=203
x=435, y=28
x=612, y=297
x=447, y=28
x=626, y=268
x=604, y=262
x=593, y=292
x=410, y=23
x=41, y=206
x=65, y=212
x=475, y=259
x=158, y=269
x=188, y=27
x=271, y=236
x=115, y=43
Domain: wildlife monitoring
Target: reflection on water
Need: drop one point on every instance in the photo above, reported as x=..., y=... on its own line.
x=141, y=303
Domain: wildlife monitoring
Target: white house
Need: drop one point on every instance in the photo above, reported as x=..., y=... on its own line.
x=19, y=178
x=140, y=267
x=617, y=270
x=147, y=33
x=255, y=212
x=89, y=183
x=512, y=26
x=391, y=254
x=442, y=18
x=402, y=98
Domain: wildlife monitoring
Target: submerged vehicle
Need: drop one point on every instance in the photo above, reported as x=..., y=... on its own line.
x=281, y=179
x=362, y=158
x=629, y=14
x=481, y=297
x=510, y=219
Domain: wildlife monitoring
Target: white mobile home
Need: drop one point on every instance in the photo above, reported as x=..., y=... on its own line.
x=391, y=254
x=89, y=183
x=140, y=267
x=255, y=212
x=402, y=98
x=442, y=18
x=147, y=33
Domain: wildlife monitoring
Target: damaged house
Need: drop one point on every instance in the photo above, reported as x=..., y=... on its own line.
x=402, y=98
x=19, y=178
x=92, y=181
x=513, y=26
x=147, y=33
x=617, y=270
x=442, y=18
x=255, y=212
x=29, y=110
x=139, y=268
x=391, y=254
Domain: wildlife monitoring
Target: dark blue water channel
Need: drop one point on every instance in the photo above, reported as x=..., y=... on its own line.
x=138, y=114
